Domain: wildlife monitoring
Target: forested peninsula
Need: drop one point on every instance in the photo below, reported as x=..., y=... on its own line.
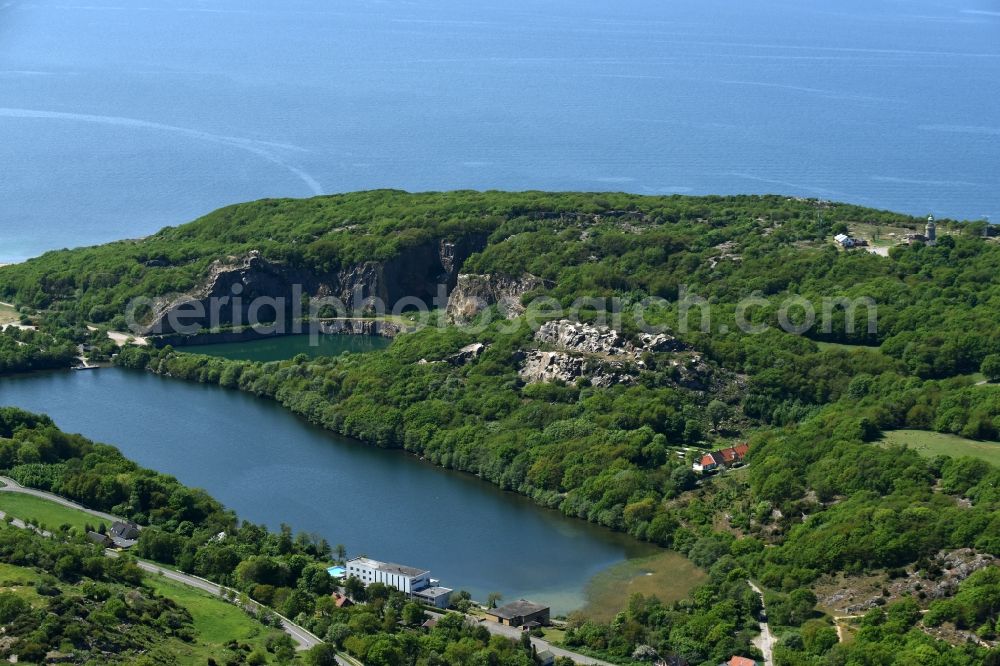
x=604, y=422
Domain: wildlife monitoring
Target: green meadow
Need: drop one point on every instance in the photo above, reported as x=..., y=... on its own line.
x=48, y=514
x=932, y=444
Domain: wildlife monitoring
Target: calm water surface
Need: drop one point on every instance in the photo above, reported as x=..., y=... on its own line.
x=272, y=467
x=118, y=117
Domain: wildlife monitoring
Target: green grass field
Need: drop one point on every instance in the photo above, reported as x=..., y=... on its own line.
x=668, y=575
x=215, y=621
x=824, y=346
x=46, y=513
x=931, y=444
x=21, y=581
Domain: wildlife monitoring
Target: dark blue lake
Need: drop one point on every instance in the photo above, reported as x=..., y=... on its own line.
x=120, y=116
x=273, y=467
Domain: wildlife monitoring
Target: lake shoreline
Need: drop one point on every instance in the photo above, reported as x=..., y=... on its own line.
x=315, y=477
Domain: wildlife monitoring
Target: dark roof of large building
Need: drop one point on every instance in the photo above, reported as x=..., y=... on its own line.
x=98, y=538
x=388, y=567
x=122, y=530
x=519, y=608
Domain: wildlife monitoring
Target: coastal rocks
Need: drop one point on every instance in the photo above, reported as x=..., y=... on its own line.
x=548, y=366
x=474, y=293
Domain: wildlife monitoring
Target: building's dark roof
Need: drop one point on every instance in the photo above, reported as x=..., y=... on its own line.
x=98, y=538
x=519, y=608
x=389, y=567
x=129, y=531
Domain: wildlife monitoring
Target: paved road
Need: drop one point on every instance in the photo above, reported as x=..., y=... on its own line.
x=12, y=486
x=303, y=638
x=764, y=642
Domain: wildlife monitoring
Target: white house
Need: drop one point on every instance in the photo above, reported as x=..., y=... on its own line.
x=844, y=240
x=416, y=583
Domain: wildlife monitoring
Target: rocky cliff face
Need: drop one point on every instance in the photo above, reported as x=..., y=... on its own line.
x=474, y=293
x=233, y=290
x=383, y=329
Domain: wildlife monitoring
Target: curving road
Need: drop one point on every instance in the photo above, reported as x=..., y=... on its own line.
x=303, y=638
x=12, y=486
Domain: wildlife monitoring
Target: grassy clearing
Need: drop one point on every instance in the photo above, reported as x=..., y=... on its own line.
x=667, y=575
x=48, y=514
x=824, y=346
x=554, y=635
x=8, y=315
x=878, y=235
x=21, y=581
x=931, y=444
x=215, y=621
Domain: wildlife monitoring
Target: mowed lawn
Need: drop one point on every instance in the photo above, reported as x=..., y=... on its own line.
x=215, y=621
x=48, y=514
x=667, y=575
x=931, y=444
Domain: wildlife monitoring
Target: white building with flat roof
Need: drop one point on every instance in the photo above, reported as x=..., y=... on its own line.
x=416, y=583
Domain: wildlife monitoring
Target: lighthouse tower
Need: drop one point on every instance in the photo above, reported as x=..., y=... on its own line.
x=931, y=231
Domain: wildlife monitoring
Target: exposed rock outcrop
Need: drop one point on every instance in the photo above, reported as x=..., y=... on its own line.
x=467, y=354
x=859, y=594
x=548, y=366
x=474, y=293
x=590, y=339
x=380, y=328
x=232, y=291
x=605, y=357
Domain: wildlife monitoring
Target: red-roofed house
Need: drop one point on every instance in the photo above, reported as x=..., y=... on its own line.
x=731, y=457
x=740, y=661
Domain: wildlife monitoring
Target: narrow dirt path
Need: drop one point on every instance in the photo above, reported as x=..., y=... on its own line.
x=765, y=641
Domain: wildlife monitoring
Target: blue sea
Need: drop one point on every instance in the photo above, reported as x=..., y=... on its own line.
x=118, y=117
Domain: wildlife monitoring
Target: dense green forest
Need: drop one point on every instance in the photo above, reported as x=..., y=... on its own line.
x=26, y=350
x=87, y=606
x=821, y=496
